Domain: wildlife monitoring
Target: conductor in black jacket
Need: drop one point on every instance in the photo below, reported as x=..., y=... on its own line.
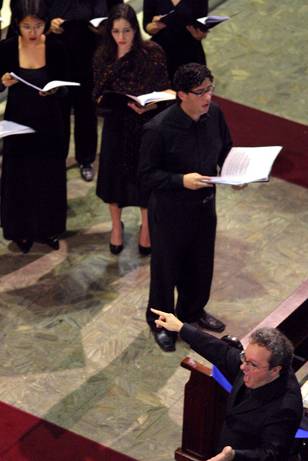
x=265, y=406
x=70, y=21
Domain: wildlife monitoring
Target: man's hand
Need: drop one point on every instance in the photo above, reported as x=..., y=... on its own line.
x=196, y=181
x=198, y=34
x=142, y=109
x=227, y=454
x=239, y=186
x=7, y=80
x=55, y=25
x=168, y=321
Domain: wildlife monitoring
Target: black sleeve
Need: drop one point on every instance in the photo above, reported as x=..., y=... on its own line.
x=56, y=59
x=55, y=8
x=157, y=72
x=226, y=137
x=2, y=65
x=112, y=3
x=276, y=438
x=149, y=10
x=100, y=9
x=190, y=10
x=200, y=8
x=219, y=353
x=151, y=174
x=6, y=52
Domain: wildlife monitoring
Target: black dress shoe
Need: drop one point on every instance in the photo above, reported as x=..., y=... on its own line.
x=86, y=172
x=52, y=242
x=144, y=251
x=209, y=322
x=24, y=245
x=115, y=249
x=165, y=340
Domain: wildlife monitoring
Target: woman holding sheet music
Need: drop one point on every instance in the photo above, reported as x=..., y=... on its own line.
x=127, y=65
x=176, y=32
x=33, y=186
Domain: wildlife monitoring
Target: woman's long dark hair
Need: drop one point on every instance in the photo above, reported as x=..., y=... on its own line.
x=107, y=52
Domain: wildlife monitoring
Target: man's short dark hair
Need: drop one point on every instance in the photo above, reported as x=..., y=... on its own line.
x=277, y=343
x=189, y=76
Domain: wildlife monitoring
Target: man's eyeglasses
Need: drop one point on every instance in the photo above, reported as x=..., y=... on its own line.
x=202, y=91
x=250, y=365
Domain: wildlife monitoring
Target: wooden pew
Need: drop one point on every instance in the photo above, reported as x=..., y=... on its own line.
x=205, y=400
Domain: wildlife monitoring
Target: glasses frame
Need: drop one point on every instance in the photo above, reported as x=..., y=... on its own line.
x=203, y=91
x=32, y=28
x=250, y=365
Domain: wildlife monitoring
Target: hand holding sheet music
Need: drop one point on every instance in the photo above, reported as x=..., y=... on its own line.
x=54, y=84
x=112, y=99
x=244, y=165
x=155, y=96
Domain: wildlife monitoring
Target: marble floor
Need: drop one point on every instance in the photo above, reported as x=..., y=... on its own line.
x=75, y=348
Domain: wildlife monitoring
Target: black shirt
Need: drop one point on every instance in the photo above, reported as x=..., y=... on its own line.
x=174, y=144
x=76, y=9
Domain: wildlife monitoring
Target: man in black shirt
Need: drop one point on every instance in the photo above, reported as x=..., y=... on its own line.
x=181, y=148
x=265, y=406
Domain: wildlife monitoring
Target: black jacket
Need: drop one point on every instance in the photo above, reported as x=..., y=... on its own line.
x=262, y=427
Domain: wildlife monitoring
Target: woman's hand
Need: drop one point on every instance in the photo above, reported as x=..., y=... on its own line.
x=196, y=33
x=141, y=110
x=168, y=321
x=155, y=26
x=55, y=25
x=48, y=93
x=7, y=80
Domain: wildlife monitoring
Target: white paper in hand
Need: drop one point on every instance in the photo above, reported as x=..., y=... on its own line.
x=8, y=128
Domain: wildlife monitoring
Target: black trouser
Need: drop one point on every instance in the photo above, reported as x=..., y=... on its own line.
x=85, y=123
x=183, y=242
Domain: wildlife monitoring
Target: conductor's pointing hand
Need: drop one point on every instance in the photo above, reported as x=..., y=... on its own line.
x=168, y=321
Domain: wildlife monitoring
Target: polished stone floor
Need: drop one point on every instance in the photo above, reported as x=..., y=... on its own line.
x=75, y=348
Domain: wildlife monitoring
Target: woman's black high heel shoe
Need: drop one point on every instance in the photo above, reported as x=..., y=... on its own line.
x=144, y=251
x=116, y=249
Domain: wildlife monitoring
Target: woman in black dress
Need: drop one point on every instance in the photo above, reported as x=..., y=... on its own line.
x=125, y=64
x=181, y=43
x=33, y=186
